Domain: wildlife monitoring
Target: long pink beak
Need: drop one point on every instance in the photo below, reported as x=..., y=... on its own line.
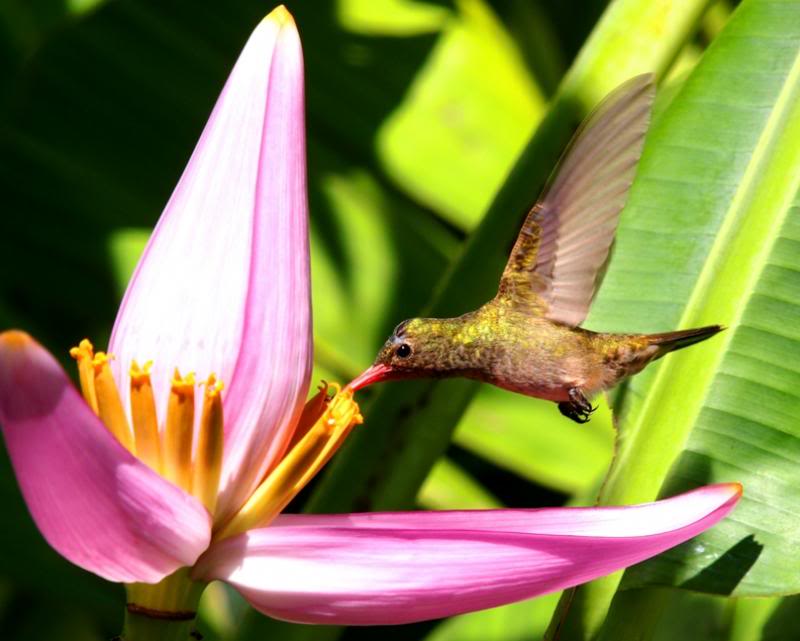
x=373, y=374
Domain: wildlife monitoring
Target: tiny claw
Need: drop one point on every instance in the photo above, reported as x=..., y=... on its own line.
x=573, y=413
x=578, y=408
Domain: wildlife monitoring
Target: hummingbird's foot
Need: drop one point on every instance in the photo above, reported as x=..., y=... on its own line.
x=570, y=411
x=578, y=408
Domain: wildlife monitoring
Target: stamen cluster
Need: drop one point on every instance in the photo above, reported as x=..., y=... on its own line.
x=170, y=450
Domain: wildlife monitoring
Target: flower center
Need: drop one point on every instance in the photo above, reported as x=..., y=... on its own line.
x=168, y=453
x=170, y=450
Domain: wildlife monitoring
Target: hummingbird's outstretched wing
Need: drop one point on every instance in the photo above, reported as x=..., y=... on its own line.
x=556, y=264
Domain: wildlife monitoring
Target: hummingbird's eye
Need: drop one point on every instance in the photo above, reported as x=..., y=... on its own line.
x=403, y=350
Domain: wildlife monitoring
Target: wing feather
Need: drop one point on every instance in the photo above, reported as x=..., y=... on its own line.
x=560, y=253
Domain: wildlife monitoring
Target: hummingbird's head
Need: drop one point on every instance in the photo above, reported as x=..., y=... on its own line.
x=410, y=352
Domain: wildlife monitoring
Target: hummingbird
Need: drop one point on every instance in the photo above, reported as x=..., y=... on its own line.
x=528, y=338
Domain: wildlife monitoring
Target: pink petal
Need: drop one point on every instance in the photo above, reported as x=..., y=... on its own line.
x=270, y=384
x=373, y=569
x=93, y=501
x=223, y=285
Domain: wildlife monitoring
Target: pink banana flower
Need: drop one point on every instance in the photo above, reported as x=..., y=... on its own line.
x=145, y=478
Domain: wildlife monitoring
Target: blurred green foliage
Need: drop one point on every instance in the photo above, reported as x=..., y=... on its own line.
x=420, y=117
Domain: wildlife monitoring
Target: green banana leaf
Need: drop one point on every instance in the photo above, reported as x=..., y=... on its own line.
x=665, y=614
x=711, y=234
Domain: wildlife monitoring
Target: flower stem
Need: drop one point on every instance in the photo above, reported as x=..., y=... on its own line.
x=164, y=611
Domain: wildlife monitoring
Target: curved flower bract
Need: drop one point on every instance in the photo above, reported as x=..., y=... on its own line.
x=372, y=569
x=94, y=502
x=192, y=436
x=223, y=286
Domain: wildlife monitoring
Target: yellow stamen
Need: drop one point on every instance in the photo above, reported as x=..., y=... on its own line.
x=109, y=405
x=299, y=466
x=171, y=456
x=178, y=431
x=208, y=460
x=84, y=354
x=143, y=414
x=311, y=412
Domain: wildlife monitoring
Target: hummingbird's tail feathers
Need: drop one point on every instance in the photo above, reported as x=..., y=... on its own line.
x=671, y=341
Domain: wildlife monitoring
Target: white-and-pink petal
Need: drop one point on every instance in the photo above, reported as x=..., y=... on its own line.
x=95, y=503
x=270, y=383
x=223, y=285
x=397, y=568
